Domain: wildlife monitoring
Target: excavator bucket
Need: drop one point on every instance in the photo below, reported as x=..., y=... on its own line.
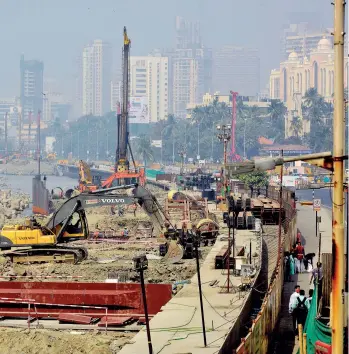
x=174, y=253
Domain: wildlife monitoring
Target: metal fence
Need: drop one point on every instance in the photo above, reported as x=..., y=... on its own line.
x=258, y=338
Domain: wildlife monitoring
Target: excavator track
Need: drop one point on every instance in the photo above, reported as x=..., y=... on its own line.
x=42, y=255
x=81, y=249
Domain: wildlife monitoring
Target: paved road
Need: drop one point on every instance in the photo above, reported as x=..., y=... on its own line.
x=286, y=341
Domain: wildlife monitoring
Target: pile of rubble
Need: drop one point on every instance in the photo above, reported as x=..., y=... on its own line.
x=12, y=205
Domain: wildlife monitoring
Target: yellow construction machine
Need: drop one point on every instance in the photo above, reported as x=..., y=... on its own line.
x=36, y=243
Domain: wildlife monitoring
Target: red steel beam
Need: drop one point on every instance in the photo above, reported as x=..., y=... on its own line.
x=117, y=297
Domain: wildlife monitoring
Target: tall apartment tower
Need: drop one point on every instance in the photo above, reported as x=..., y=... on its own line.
x=236, y=68
x=149, y=79
x=192, y=64
x=96, y=78
x=32, y=84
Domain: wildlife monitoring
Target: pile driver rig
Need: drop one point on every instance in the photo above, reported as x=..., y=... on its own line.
x=123, y=174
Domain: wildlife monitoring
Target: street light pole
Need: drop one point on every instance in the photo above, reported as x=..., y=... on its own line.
x=224, y=136
x=338, y=200
x=78, y=144
x=198, y=140
x=245, y=139
x=97, y=149
x=140, y=265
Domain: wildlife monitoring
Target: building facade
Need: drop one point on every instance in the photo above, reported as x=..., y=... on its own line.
x=303, y=40
x=237, y=69
x=31, y=89
x=96, y=78
x=191, y=67
x=149, y=79
x=298, y=74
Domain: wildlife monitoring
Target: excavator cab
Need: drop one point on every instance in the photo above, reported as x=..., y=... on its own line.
x=76, y=229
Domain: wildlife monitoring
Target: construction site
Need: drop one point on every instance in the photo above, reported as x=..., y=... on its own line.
x=121, y=261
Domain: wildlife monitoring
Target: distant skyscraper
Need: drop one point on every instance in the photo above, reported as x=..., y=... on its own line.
x=302, y=39
x=96, y=78
x=191, y=64
x=32, y=82
x=187, y=34
x=236, y=68
x=149, y=78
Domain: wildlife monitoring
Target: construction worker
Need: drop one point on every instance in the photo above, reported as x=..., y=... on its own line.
x=96, y=233
x=125, y=232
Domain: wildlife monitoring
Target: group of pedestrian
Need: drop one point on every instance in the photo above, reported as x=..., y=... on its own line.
x=299, y=306
x=296, y=261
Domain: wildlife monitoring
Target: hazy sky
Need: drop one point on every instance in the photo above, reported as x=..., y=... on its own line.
x=56, y=31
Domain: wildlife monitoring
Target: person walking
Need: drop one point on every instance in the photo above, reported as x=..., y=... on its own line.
x=317, y=277
x=287, y=270
x=299, y=258
x=300, y=309
x=292, y=267
x=309, y=298
x=292, y=305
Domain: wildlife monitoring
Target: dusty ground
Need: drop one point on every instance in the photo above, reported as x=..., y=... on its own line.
x=106, y=260
x=22, y=341
x=26, y=167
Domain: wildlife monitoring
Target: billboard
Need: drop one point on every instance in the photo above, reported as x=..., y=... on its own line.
x=156, y=143
x=138, y=110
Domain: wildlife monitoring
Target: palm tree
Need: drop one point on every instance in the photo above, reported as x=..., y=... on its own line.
x=144, y=149
x=296, y=126
x=277, y=112
x=314, y=106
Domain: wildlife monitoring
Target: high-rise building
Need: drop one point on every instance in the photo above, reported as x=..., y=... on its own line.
x=191, y=65
x=96, y=78
x=237, y=69
x=149, y=79
x=31, y=90
x=297, y=74
x=302, y=39
x=188, y=34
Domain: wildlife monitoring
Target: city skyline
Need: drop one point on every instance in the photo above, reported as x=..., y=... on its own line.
x=40, y=34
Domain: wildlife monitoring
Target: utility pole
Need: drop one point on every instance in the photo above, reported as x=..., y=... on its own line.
x=233, y=124
x=280, y=209
x=6, y=142
x=38, y=152
x=337, y=309
x=20, y=131
x=224, y=136
x=29, y=130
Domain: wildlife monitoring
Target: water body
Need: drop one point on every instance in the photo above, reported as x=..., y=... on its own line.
x=24, y=184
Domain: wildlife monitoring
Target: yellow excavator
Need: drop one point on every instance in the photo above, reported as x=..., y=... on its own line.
x=36, y=243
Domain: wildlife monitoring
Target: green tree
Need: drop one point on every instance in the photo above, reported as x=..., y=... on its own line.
x=254, y=180
x=144, y=149
x=277, y=112
x=296, y=126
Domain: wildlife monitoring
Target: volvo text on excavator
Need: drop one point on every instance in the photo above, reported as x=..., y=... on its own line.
x=37, y=243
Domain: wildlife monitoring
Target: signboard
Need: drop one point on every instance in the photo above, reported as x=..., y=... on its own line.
x=138, y=110
x=289, y=181
x=156, y=143
x=317, y=204
x=202, y=162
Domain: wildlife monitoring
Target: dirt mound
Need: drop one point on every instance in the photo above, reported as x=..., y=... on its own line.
x=22, y=341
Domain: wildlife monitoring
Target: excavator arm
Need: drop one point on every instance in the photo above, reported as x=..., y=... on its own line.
x=105, y=197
